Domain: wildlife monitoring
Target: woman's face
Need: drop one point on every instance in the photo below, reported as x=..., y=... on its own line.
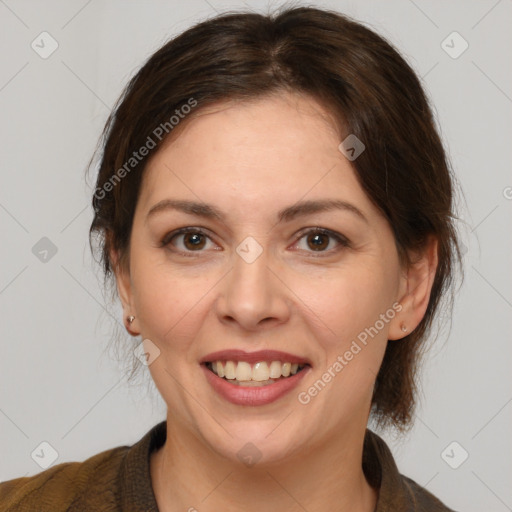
x=254, y=279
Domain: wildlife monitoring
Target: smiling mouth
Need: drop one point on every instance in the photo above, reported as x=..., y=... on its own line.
x=242, y=373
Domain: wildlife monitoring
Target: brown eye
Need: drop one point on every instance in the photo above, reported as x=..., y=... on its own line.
x=186, y=240
x=319, y=239
x=193, y=241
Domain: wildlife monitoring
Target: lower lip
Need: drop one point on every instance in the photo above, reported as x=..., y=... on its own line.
x=245, y=395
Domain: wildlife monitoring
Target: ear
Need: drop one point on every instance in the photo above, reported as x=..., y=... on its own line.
x=124, y=290
x=415, y=288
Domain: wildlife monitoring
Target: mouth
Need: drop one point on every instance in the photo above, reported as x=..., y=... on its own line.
x=253, y=378
x=261, y=373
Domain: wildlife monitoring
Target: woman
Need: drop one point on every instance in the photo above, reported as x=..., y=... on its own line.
x=275, y=205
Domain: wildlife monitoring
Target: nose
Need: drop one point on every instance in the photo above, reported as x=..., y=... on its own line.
x=252, y=296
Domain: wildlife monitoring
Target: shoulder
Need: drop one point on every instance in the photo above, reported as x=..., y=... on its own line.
x=65, y=486
x=422, y=500
x=397, y=492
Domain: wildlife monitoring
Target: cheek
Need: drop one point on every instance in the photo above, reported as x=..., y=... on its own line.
x=349, y=305
x=168, y=303
x=348, y=302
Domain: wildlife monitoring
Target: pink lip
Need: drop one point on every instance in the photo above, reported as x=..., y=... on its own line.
x=254, y=357
x=252, y=396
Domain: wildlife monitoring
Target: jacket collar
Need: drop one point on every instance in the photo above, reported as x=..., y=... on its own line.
x=396, y=492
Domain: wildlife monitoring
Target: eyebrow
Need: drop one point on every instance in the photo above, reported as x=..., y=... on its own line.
x=300, y=209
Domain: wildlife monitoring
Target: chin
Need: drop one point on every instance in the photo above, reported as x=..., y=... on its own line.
x=254, y=442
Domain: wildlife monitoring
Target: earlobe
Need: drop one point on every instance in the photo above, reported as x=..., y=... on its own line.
x=415, y=291
x=123, y=284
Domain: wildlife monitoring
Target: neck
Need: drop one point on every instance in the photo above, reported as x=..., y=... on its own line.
x=187, y=475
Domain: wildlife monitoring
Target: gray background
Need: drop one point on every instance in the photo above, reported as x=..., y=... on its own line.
x=60, y=384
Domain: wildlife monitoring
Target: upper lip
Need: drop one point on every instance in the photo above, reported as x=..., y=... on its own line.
x=254, y=357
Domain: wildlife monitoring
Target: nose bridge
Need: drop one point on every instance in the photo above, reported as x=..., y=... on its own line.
x=252, y=293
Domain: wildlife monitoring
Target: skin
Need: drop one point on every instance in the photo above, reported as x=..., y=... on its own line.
x=250, y=160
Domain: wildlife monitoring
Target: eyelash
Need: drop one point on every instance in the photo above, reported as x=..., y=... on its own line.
x=343, y=242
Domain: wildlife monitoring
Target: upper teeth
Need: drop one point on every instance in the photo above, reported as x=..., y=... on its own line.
x=260, y=371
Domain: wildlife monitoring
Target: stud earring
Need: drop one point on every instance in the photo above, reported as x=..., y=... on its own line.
x=130, y=319
x=404, y=328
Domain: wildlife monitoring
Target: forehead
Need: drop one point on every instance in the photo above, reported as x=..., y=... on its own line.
x=274, y=150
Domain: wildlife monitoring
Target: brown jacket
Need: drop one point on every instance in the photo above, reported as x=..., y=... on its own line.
x=119, y=480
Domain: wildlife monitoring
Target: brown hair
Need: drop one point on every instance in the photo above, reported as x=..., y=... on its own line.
x=368, y=87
